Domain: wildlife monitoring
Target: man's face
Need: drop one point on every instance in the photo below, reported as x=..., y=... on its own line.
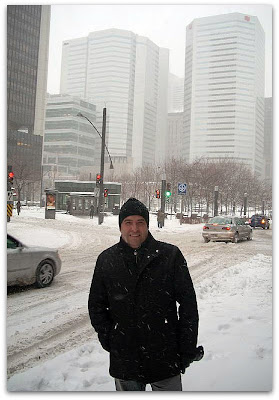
x=134, y=230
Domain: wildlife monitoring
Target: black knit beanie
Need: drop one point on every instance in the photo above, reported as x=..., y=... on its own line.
x=133, y=207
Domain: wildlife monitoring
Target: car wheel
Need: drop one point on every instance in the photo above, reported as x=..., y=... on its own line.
x=206, y=240
x=236, y=238
x=44, y=274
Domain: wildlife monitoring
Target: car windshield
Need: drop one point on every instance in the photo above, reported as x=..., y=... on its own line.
x=220, y=220
x=257, y=217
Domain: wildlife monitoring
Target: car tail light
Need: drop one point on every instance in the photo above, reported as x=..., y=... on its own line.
x=226, y=228
x=205, y=227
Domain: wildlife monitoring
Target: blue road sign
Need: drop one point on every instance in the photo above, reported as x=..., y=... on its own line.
x=182, y=188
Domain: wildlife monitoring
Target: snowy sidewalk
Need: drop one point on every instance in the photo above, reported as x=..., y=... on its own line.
x=235, y=329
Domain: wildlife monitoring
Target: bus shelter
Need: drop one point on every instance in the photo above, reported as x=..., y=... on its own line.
x=79, y=203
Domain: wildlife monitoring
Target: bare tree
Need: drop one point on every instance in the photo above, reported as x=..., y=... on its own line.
x=24, y=179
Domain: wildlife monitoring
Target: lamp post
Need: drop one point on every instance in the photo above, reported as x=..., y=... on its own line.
x=103, y=137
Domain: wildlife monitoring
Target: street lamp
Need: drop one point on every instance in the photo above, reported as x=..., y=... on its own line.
x=101, y=186
x=84, y=116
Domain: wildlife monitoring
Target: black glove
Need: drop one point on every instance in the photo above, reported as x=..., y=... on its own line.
x=104, y=340
x=199, y=353
x=187, y=359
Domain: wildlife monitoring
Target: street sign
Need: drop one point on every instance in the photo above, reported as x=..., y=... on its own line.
x=9, y=196
x=182, y=188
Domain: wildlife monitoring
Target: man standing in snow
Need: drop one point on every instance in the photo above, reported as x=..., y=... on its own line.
x=132, y=304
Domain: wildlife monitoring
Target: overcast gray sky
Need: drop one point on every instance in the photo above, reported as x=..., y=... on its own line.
x=164, y=24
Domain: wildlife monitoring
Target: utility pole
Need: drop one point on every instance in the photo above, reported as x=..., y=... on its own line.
x=10, y=178
x=163, y=197
x=101, y=193
x=245, y=204
x=102, y=168
x=216, y=192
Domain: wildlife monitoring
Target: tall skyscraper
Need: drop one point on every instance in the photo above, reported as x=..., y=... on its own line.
x=224, y=89
x=150, y=103
x=119, y=70
x=27, y=62
x=175, y=94
x=268, y=139
x=175, y=136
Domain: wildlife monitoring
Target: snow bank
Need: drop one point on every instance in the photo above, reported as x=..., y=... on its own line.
x=235, y=329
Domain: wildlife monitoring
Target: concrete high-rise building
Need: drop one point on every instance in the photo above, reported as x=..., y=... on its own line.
x=150, y=103
x=70, y=142
x=268, y=139
x=162, y=108
x=175, y=94
x=175, y=136
x=27, y=62
x=119, y=70
x=224, y=89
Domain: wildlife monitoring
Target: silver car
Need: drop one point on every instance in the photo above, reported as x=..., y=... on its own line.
x=226, y=229
x=28, y=265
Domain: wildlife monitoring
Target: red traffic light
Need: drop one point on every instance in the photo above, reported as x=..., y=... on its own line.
x=98, y=179
x=105, y=192
x=11, y=175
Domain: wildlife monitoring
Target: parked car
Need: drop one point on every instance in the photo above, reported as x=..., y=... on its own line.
x=31, y=264
x=226, y=229
x=259, y=221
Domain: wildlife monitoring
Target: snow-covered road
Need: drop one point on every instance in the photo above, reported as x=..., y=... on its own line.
x=45, y=323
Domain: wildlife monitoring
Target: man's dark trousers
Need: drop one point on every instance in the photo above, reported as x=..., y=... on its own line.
x=170, y=384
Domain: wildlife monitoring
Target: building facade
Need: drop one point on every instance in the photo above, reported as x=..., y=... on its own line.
x=268, y=139
x=27, y=62
x=175, y=136
x=119, y=70
x=175, y=94
x=224, y=89
x=70, y=142
x=150, y=103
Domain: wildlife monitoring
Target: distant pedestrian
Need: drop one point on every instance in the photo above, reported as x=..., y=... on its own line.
x=91, y=211
x=18, y=207
x=68, y=207
x=160, y=218
x=133, y=298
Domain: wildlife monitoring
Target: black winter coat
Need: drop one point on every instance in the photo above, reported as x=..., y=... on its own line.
x=133, y=308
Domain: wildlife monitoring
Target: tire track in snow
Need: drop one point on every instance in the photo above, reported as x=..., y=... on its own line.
x=48, y=345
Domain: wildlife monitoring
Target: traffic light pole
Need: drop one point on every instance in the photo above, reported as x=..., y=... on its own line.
x=101, y=193
x=9, y=192
x=163, y=198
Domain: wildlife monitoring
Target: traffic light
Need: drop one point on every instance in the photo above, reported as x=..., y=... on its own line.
x=168, y=191
x=158, y=194
x=105, y=192
x=98, y=180
x=11, y=177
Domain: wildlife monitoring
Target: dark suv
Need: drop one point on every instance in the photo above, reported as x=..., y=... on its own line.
x=260, y=221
